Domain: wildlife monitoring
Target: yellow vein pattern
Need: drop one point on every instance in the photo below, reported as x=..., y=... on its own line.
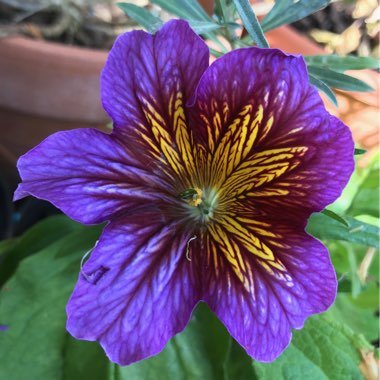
x=236, y=143
x=169, y=139
x=238, y=240
x=230, y=167
x=237, y=173
x=253, y=175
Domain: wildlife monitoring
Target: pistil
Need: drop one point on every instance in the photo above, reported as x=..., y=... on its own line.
x=201, y=203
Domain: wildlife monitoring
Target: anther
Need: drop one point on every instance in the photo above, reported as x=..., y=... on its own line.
x=192, y=196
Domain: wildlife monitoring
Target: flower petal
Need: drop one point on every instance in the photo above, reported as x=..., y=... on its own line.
x=89, y=175
x=262, y=288
x=257, y=103
x=137, y=289
x=318, y=181
x=145, y=85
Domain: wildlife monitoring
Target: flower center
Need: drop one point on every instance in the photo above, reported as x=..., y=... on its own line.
x=200, y=203
x=192, y=197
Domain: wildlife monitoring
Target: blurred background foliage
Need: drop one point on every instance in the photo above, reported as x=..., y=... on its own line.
x=39, y=265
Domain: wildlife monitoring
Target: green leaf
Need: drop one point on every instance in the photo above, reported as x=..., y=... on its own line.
x=215, y=53
x=359, y=151
x=83, y=360
x=335, y=216
x=288, y=11
x=361, y=321
x=342, y=63
x=326, y=228
x=322, y=86
x=338, y=80
x=368, y=298
x=291, y=365
x=6, y=246
x=322, y=350
x=197, y=353
x=203, y=27
x=33, y=305
x=238, y=365
x=186, y=9
x=191, y=11
x=38, y=237
x=36, y=345
x=152, y=23
x=142, y=16
x=224, y=10
x=251, y=22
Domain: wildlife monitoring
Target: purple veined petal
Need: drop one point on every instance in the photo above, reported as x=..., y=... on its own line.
x=4, y=327
x=263, y=87
x=145, y=85
x=256, y=102
x=298, y=181
x=262, y=288
x=317, y=182
x=89, y=175
x=137, y=290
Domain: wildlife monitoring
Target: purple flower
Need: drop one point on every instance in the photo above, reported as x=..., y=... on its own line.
x=207, y=181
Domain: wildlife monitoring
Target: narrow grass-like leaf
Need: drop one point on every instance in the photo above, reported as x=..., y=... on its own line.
x=202, y=27
x=189, y=10
x=221, y=10
x=359, y=151
x=322, y=86
x=333, y=215
x=225, y=12
x=186, y=9
x=339, y=63
x=215, y=53
x=288, y=11
x=142, y=16
x=251, y=22
x=338, y=80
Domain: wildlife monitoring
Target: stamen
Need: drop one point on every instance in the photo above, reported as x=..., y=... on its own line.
x=188, y=247
x=192, y=196
x=202, y=203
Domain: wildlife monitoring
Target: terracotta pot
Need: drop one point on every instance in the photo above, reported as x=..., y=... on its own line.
x=52, y=80
x=208, y=5
x=45, y=87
